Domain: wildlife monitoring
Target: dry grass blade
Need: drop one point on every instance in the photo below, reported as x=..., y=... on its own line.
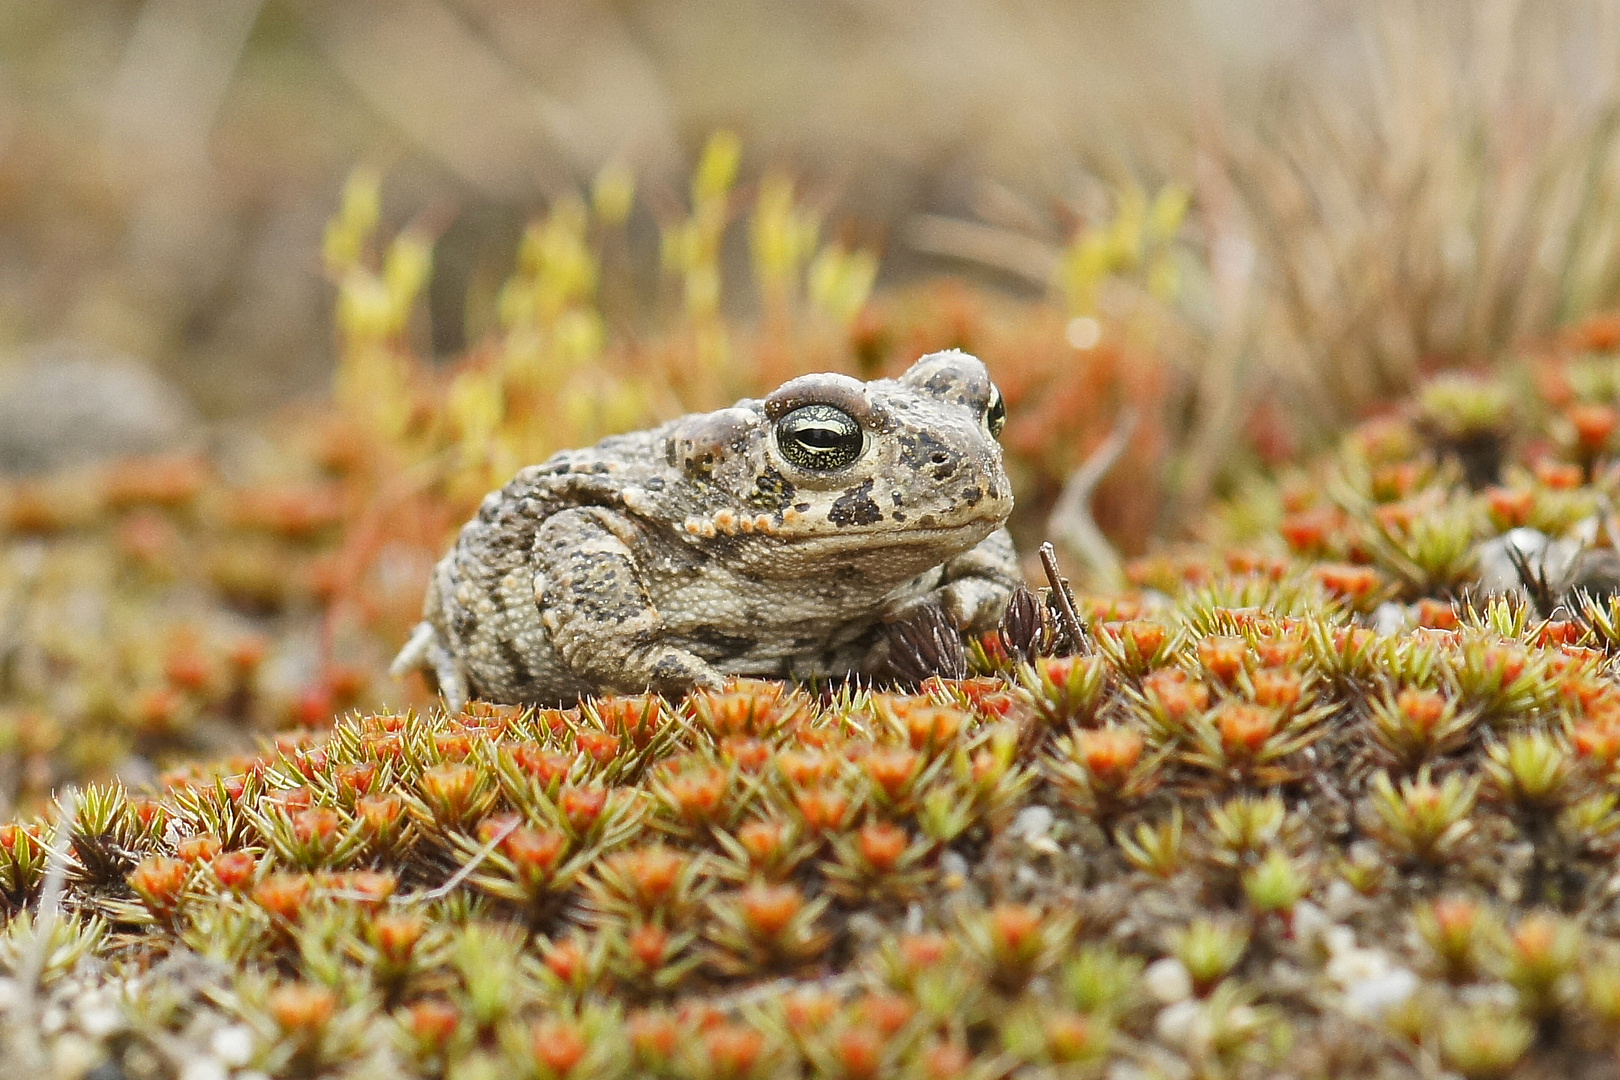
x=45, y=918
x=1071, y=520
x=1467, y=193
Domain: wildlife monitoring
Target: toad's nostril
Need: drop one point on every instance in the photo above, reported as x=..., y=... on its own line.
x=939, y=458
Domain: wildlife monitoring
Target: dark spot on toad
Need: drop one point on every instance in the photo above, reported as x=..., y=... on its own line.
x=669, y=669
x=608, y=606
x=515, y=662
x=714, y=644
x=654, y=483
x=772, y=491
x=927, y=521
x=894, y=496
x=972, y=495
x=722, y=548
x=701, y=467
x=855, y=507
x=898, y=515
x=923, y=446
x=505, y=541
x=669, y=452
x=803, y=508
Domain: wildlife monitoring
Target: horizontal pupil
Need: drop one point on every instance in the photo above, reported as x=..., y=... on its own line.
x=821, y=436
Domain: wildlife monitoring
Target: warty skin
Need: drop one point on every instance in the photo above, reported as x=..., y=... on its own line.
x=742, y=542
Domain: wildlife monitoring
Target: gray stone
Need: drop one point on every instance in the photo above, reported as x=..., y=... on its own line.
x=63, y=404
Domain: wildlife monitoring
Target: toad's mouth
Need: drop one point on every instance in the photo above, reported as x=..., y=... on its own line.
x=873, y=538
x=880, y=557
x=803, y=536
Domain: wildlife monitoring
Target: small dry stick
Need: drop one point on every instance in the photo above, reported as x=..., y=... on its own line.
x=1071, y=621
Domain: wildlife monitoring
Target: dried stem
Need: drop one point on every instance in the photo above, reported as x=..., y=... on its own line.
x=1071, y=521
x=1060, y=589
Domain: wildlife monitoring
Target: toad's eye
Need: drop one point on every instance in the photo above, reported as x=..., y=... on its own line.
x=819, y=437
x=995, y=415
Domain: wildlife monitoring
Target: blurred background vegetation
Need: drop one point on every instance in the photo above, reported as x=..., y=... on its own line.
x=1375, y=184
x=166, y=167
x=380, y=253
x=1373, y=188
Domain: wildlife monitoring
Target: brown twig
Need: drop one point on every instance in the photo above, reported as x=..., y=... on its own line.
x=1060, y=589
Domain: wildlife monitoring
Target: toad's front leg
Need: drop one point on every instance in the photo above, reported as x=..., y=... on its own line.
x=598, y=613
x=977, y=583
x=972, y=588
x=426, y=649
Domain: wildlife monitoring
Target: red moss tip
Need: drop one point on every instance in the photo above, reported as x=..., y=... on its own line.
x=769, y=909
x=160, y=881
x=302, y=1008
x=733, y=1050
x=283, y=895
x=1109, y=754
x=432, y=1022
x=558, y=1045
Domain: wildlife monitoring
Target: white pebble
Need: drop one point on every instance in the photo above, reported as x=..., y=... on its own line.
x=1341, y=900
x=1083, y=332
x=1168, y=980
x=1034, y=824
x=1389, y=618
x=1185, y=1026
x=99, y=1019
x=1350, y=966
x=72, y=1056
x=204, y=1068
x=233, y=1045
x=1310, y=923
x=1371, y=998
x=1339, y=939
x=1032, y=821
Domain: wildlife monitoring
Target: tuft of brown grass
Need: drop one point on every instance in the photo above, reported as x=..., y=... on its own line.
x=1456, y=189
